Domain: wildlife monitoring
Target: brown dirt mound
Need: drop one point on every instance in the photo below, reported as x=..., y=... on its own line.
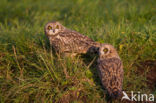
x=150, y=67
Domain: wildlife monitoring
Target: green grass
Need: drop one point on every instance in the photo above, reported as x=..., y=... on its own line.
x=30, y=73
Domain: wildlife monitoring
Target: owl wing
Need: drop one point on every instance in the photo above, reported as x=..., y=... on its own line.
x=73, y=41
x=111, y=75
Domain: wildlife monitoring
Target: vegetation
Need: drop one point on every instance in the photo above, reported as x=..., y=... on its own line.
x=31, y=73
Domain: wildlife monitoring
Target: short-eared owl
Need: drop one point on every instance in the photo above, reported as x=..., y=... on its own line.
x=64, y=40
x=110, y=70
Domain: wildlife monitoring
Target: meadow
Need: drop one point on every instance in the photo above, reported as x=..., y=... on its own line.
x=31, y=73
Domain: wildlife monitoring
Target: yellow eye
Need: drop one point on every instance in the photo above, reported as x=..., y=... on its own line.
x=49, y=27
x=57, y=27
x=105, y=50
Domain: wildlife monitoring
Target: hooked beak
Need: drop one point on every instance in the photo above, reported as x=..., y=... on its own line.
x=52, y=31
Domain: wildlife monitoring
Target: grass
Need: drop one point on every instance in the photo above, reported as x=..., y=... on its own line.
x=31, y=73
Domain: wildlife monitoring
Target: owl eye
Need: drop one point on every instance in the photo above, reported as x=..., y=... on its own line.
x=49, y=27
x=57, y=27
x=105, y=50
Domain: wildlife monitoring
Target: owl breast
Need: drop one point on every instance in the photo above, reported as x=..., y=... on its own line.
x=111, y=74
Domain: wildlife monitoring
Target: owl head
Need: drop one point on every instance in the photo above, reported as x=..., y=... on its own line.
x=52, y=28
x=107, y=51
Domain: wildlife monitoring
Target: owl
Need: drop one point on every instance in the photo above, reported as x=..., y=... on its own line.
x=67, y=41
x=110, y=70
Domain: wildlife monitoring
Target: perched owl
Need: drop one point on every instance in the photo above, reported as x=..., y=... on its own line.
x=110, y=70
x=64, y=40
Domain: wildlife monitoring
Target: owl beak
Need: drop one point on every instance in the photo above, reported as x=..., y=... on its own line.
x=53, y=30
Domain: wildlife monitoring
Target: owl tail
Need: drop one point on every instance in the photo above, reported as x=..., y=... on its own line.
x=116, y=93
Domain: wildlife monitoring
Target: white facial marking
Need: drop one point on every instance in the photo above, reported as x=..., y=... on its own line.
x=51, y=32
x=102, y=52
x=56, y=30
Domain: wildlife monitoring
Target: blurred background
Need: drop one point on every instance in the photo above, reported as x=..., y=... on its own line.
x=29, y=72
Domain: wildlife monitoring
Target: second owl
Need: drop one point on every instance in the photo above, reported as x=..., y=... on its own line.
x=110, y=70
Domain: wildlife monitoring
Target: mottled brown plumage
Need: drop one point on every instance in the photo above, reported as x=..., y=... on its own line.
x=68, y=41
x=110, y=70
